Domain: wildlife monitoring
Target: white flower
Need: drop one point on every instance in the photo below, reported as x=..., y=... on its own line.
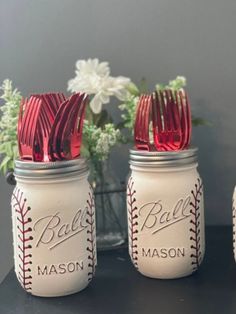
x=118, y=87
x=93, y=78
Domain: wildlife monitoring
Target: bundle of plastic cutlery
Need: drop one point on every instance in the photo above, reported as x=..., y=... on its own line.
x=169, y=113
x=50, y=126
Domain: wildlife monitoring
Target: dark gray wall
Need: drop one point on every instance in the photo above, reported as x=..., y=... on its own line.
x=159, y=39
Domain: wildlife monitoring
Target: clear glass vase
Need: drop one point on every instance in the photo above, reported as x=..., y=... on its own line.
x=110, y=202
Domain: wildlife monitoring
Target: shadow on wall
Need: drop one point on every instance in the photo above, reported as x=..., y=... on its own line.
x=213, y=168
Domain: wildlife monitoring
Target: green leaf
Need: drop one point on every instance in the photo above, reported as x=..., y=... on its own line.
x=197, y=121
x=10, y=165
x=8, y=148
x=4, y=164
x=133, y=89
x=85, y=151
x=160, y=87
x=102, y=118
x=89, y=114
x=8, y=124
x=2, y=148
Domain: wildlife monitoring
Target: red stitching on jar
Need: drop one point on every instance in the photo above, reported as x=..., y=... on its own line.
x=132, y=222
x=24, y=237
x=195, y=229
x=234, y=228
x=91, y=242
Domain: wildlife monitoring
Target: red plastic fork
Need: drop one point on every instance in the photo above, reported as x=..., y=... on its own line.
x=49, y=108
x=186, y=120
x=52, y=103
x=60, y=141
x=50, y=127
x=171, y=120
x=27, y=137
x=72, y=131
x=142, y=121
x=53, y=138
x=44, y=128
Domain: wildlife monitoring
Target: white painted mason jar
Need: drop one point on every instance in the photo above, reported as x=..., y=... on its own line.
x=165, y=213
x=53, y=227
x=234, y=223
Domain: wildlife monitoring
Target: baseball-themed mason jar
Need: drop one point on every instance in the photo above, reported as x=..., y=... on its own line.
x=53, y=219
x=165, y=213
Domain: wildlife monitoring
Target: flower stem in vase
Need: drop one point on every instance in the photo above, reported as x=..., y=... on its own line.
x=110, y=207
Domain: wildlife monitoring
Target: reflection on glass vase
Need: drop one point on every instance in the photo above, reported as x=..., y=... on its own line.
x=111, y=220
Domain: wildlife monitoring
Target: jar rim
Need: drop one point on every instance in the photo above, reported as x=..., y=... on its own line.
x=52, y=169
x=163, y=158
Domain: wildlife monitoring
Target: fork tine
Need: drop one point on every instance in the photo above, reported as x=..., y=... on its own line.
x=34, y=121
x=168, y=119
x=141, y=118
x=159, y=115
x=178, y=116
x=146, y=119
x=142, y=121
x=26, y=119
x=58, y=127
x=49, y=107
x=44, y=122
x=28, y=133
x=77, y=124
x=176, y=134
x=60, y=98
x=144, y=132
x=183, y=120
x=160, y=126
x=52, y=142
x=172, y=110
x=176, y=112
x=56, y=101
x=31, y=121
x=69, y=125
x=189, y=119
x=156, y=118
x=75, y=111
x=81, y=113
x=167, y=135
x=137, y=120
x=26, y=108
x=141, y=130
x=38, y=153
x=165, y=122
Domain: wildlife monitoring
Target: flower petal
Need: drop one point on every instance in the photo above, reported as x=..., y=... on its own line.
x=96, y=104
